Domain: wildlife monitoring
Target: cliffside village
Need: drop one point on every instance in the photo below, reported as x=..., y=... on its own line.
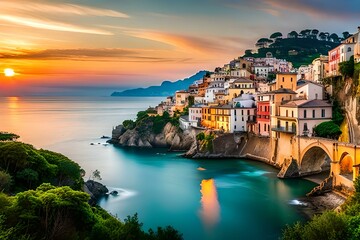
x=243, y=95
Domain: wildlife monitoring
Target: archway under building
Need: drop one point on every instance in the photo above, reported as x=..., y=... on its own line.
x=315, y=160
x=346, y=166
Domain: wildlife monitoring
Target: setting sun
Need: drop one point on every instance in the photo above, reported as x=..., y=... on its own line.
x=9, y=72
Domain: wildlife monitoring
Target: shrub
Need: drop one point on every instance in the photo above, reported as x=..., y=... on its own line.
x=129, y=124
x=328, y=130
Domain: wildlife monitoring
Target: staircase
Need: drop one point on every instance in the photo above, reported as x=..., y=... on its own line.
x=325, y=186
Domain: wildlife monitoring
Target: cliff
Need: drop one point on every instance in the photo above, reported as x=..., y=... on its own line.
x=170, y=137
x=233, y=145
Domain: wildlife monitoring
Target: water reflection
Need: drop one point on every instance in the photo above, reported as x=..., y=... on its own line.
x=210, y=208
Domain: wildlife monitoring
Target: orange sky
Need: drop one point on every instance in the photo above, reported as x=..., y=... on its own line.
x=120, y=44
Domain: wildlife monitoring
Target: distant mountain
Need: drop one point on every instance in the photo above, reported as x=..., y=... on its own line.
x=166, y=88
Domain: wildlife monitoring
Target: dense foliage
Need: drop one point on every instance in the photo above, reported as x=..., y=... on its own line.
x=63, y=213
x=299, y=48
x=205, y=141
x=5, y=136
x=328, y=130
x=346, y=68
x=29, y=167
x=45, y=211
x=330, y=225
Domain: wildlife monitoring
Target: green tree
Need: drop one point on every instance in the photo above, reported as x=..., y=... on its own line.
x=328, y=130
x=5, y=181
x=346, y=68
x=276, y=35
x=293, y=34
x=129, y=124
x=5, y=136
x=95, y=175
x=346, y=34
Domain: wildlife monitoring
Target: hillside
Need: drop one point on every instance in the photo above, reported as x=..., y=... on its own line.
x=299, y=51
x=166, y=88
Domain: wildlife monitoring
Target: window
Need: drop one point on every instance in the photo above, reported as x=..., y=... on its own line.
x=349, y=49
x=283, y=79
x=313, y=113
x=291, y=79
x=248, y=112
x=292, y=113
x=322, y=113
x=304, y=113
x=286, y=113
x=264, y=127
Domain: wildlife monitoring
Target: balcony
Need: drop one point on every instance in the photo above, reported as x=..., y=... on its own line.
x=283, y=129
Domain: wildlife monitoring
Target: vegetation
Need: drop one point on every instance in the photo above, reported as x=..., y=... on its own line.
x=5, y=136
x=205, y=141
x=49, y=204
x=29, y=167
x=330, y=225
x=347, y=68
x=299, y=48
x=328, y=130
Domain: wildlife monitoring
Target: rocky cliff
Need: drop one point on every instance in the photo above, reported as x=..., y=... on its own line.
x=96, y=190
x=170, y=137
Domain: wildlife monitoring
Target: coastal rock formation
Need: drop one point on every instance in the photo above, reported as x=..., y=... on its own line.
x=95, y=189
x=170, y=137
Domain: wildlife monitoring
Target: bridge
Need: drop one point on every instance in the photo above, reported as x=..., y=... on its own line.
x=310, y=155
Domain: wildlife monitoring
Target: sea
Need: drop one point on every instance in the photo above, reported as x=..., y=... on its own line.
x=203, y=199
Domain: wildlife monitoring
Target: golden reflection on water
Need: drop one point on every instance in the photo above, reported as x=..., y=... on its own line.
x=13, y=102
x=210, y=208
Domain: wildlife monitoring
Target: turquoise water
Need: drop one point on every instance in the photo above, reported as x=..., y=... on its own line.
x=204, y=199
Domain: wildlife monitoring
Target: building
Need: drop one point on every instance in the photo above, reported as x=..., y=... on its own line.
x=220, y=116
x=184, y=122
x=320, y=68
x=181, y=100
x=302, y=116
x=239, y=87
x=341, y=53
x=195, y=115
x=263, y=114
x=243, y=114
x=284, y=80
x=309, y=90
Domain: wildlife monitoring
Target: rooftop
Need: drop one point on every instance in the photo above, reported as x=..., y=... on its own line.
x=282, y=91
x=307, y=103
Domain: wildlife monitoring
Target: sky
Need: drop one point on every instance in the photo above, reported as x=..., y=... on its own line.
x=94, y=47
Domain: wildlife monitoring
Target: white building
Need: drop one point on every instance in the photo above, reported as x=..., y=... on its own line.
x=302, y=116
x=263, y=71
x=184, y=122
x=195, y=113
x=242, y=113
x=309, y=90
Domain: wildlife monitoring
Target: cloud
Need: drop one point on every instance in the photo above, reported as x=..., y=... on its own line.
x=26, y=13
x=51, y=25
x=205, y=45
x=95, y=54
x=64, y=8
x=317, y=9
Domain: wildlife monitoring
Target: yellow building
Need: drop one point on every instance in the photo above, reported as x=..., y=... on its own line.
x=181, y=100
x=220, y=116
x=240, y=86
x=285, y=80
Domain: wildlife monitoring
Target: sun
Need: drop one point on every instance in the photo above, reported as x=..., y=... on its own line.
x=9, y=72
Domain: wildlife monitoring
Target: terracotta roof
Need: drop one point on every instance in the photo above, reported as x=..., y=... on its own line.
x=307, y=103
x=283, y=90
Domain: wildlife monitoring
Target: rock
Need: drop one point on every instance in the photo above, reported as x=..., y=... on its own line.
x=117, y=132
x=95, y=189
x=170, y=137
x=114, y=193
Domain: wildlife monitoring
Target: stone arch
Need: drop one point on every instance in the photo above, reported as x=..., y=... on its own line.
x=314, y=159
x=346, y=165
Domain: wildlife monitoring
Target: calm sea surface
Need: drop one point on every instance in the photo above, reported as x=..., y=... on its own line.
x=230, y=199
